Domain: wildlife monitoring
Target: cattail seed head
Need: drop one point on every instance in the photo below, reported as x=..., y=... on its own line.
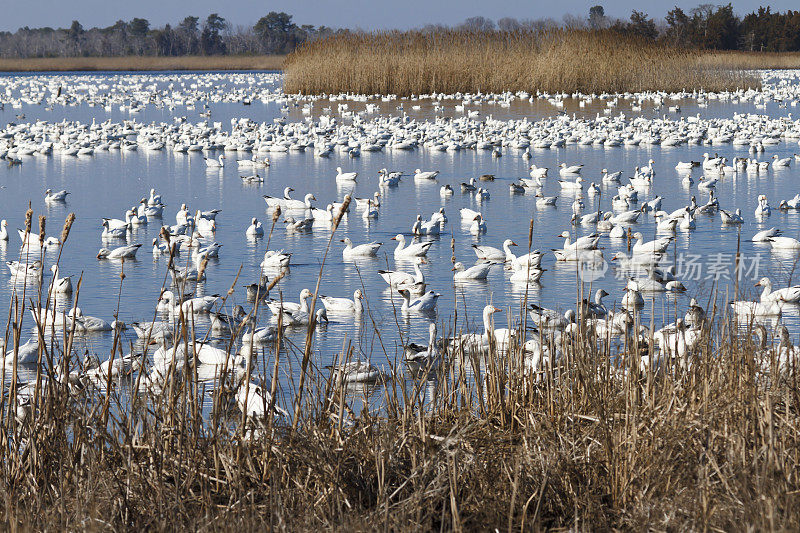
x=338, y=218
x=42, y=224
x=28, y=220
x=202, y=268
x=67, y=227
x=276, y=214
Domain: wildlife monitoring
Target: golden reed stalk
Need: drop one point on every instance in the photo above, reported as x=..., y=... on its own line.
x=450, y=61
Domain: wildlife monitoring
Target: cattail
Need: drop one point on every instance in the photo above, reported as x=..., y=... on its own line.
x=342, y=211
x=453, y=250
x=28, y=220
x=42, y=223
x=122, y=269
x=530, y=235
x=202, y=268
x=67, y=226
x=275, y=280
x=276, y=214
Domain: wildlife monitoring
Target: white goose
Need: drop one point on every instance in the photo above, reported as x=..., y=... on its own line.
x=345, y=176
x=369, y=249
x=215, y=163
x=344, y=305
x=476, y=272
x=415, y=249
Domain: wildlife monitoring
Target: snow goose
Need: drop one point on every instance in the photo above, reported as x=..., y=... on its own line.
x=400, y=279
x=424, y=304
x=542, y=201
x=766, y=235
x=273, y=201
x=60, y=285
x=429, y=175
x=655, y=246
x=58, y=196
x=276, y=305
x=255, y=229
x=122, y=252
x=415, y=249
x=416, y=353
x=731, y=218
x=565, y=169
x=478, y=225
x=369, y=249
x=784, y=243
x=344, y=305
x=787, y=294
x=476, y=272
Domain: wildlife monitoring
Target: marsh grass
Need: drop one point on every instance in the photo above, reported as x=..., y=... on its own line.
x=751, y=60
x=143, y=63
x=588, y=442
x=451, y=61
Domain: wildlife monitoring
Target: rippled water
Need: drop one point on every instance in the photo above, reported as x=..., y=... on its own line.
x=108, y=183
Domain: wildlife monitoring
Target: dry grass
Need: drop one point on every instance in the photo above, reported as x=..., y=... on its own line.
x=142, y=63
x=751, y=60
x=590, y=443
x=406, y=63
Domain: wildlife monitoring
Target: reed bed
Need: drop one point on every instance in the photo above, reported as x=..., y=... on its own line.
x=141, y=63
x=751, y=60
x=451, y=61
x=588, y=442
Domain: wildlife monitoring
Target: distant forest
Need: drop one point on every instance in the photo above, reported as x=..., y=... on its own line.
x=708, y=26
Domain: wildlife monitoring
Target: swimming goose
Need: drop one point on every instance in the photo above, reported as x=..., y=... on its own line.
x=470, y=186
x=794, y=203
x=524, y=273
x=482, y=342
x=476, y=272
x=478, y=226
x=548, y=320
x=365, y=202
x=123, y=252
x=28, y=270
x=305, y=203
x=611, y=177
x=468, y=215
x=778, y=163
x=731, y=218
x=400, y=279
x=369, y=249
x=489, y=253
x=254, y=402
x=215, y=163
x=113, y=233
x=659, y=245
x=573, y=185
x=370, y=212
x=538, y=172
x=154, y=200
x=571, y=169
x=587, y=242
x=784, y=243
x=304, y=224
x=632, y=298
x=275, y=259
x=429, y=175
x=302, y=318
x=356, y=372
x=787, y=294
x=415, y=353
x=766, y=235
x=3, y=230
x=276, y=305
x=345, y=176
x=424, y=304
x=59, y=196
x=27, y=353
x=200, y=304
x=255, y=229
x=696, y=316
x=415, y=249
x=260, y=335
x=542, y=201
x=763, y=208
x=344, y=305
x=446, y=191
x=596, y=308
x=273, y=201
x=61, y=285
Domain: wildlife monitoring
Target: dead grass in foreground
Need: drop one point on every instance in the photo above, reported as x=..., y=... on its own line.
x=142, y=63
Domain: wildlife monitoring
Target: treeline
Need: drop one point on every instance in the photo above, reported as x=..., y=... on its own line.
x=708, y=27
x=274, y=33
x=713, y=27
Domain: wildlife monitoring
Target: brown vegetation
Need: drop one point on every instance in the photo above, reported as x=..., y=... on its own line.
x=143, y=63
x=751, y=60
x=710, y=442
x=450, y=61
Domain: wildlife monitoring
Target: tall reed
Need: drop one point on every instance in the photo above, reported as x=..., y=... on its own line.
x=450, y=61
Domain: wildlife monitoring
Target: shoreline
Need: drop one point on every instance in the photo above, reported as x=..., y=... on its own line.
x=141, y=63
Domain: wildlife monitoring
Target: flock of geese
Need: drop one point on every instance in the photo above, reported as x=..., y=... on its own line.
x=249, y=144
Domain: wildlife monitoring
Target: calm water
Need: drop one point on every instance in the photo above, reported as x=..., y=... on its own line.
x=108, y=183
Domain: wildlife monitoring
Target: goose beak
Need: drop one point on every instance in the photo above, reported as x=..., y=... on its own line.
x=758, y=284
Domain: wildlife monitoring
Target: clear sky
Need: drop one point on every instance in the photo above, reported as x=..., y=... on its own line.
x=365, y=14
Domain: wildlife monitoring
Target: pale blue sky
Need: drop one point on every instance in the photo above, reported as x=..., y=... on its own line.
x=366, y=14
